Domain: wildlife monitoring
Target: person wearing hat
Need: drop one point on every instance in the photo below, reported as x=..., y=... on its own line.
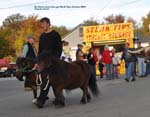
x=29, y=51
x=79, y=52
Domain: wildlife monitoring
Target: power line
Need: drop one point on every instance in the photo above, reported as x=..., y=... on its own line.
x=103, y=8
x=128, y=3
x=125, y=4
x=24, y=5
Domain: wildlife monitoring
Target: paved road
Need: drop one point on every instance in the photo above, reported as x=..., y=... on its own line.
x=118, y=99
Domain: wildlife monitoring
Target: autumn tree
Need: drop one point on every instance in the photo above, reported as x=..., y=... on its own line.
x=131, y=20
x=111, y=19
x=16, y=28
x=9, y=29
x=5, y=48
x=61, y=29
x=90, y=22
x=145, y=29
x=13, y=21
x=13, y=24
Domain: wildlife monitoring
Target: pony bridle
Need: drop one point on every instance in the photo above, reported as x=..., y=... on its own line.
x=24, y=69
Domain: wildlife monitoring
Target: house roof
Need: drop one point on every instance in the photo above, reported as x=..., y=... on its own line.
x=73, y=36
x=80, y=25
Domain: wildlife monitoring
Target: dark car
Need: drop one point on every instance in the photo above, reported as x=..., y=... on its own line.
x=8, y=70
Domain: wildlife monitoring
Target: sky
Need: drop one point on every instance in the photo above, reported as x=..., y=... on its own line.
x=70, y=13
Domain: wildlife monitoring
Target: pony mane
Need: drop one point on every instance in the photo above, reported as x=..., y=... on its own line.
x=56, y=66
x=20, y=60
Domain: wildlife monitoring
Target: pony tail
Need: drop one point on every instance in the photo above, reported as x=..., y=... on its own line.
x=93, y=86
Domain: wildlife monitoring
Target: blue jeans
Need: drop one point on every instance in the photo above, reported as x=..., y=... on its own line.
x=141, y=66
x=115, y=71
x=147, y=69
x=109, y=71
x=130, y=70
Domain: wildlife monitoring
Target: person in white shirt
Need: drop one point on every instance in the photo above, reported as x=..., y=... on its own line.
x=116, y=60
x=66, y=52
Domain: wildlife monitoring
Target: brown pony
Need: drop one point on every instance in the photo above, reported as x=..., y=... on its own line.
x=64, y=75
x=24, y=68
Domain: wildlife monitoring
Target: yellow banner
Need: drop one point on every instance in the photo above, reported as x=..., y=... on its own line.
x=108, y=32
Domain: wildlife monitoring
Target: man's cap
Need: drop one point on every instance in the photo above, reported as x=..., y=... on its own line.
x=30, y=36
x=79, y=45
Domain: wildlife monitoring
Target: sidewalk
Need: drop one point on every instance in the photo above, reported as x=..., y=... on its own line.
x=103, y=82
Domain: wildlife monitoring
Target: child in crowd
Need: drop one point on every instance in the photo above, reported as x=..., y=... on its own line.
x=101, y=66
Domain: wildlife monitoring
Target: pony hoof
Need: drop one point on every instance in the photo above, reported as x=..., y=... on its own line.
x=89, y=100
x=39, y=104
x=60, y=105
x=82, y=102
x=47, y=98
x=54, y=102
x=34, y=101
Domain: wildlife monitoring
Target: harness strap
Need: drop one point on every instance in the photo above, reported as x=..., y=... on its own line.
x=40, y=79
x=46, y=84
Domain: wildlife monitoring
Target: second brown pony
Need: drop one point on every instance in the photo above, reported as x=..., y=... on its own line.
x=63, y=75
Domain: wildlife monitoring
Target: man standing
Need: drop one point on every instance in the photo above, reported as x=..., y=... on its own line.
x=141, y=59
x=147, y=61
x=129, y=63
x=107, y=56
x=79, y=51
x=29, y=51
x=92, y=59
x=50, y=41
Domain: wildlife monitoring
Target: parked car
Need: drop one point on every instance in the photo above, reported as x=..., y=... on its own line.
x=7, y=69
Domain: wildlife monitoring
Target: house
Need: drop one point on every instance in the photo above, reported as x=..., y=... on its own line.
x=74, y=37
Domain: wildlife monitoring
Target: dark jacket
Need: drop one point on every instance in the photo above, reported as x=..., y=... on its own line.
x=77, y=53
x=31, y=52
x=51, y=42
x=141, y=54
x=91, y=59
x=128, y=57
